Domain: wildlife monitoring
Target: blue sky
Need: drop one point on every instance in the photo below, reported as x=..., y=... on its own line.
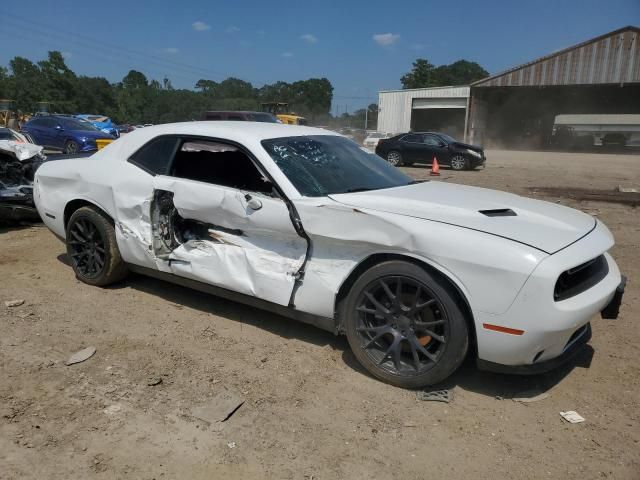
x=362, y=46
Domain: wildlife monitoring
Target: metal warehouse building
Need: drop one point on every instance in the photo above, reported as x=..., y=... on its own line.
x=517, y=108
x=420, y=109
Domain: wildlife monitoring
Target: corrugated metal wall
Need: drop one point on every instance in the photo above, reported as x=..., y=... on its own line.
x=395, y=106
x=610, y=59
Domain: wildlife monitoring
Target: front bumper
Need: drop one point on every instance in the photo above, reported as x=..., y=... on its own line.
x=572, y=349
x=547, y=327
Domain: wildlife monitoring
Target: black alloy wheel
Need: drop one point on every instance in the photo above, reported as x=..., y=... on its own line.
x=87, y=248
x=402, y=325
x=92, y=247
x=405, y=325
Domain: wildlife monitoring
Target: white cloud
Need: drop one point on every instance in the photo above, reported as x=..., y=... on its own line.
x=171, y=50
x=287, y=54
x=386, y=39
x=232, y=29
x=200, y=26
x=309, y=38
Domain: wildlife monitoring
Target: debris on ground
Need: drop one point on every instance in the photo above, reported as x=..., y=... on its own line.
x=220, y=408
x=435, y=396
x=154, y=381
x=81, y=356
x=14, y=303
x=572, y=417
x=530, y=396
x=623, y=189
x=231, y=444
x=112, y=409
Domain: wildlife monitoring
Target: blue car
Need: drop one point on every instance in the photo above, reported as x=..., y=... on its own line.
x=71, y=135
x=101, y=122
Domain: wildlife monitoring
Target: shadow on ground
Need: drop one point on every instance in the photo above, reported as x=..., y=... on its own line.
x=468, y=377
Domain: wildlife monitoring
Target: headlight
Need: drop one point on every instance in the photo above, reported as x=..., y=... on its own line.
x=474, y=153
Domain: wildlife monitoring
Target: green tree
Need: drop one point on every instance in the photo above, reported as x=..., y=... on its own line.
x=420, y=76
x=424, y=74
x=59, y=83
x=461, y=72
x=25, y=84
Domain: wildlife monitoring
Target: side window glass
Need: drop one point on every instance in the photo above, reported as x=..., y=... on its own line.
x=431, y=140
x=156, y=155
x=219, y=164
x=412, y=138
x=235, y=117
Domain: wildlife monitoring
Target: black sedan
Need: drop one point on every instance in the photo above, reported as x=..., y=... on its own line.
x=408, y=148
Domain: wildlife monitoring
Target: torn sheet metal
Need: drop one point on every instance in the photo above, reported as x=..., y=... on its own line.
x=208, y=233
x=18, y=163
x=20, y=150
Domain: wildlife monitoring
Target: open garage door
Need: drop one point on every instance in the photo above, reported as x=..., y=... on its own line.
x=444, y=115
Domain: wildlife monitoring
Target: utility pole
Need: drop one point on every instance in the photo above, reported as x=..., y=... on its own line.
x=366, y=117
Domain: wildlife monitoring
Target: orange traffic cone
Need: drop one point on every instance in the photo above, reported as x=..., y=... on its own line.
x=435, y=168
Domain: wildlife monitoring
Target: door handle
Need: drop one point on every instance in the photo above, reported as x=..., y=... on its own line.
x=253, y=203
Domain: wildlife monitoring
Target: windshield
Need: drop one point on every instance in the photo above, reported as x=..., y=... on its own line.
x=77, y=125
x=321, y=165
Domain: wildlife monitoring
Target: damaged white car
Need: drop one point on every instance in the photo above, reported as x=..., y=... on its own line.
x=306, y=223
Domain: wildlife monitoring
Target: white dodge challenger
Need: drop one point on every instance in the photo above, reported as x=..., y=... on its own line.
x=305, y=223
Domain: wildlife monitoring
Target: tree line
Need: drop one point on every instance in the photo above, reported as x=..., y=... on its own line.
x=137, y=99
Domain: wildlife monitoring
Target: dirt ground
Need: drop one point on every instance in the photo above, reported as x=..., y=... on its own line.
x=310, y=411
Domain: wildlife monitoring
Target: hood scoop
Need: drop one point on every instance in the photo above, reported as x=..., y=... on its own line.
x=499, y=212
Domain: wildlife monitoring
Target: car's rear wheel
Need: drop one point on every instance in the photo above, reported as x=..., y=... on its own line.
x=71, y=147
x=404, y=325
x=394, y=157
x=458, y=162
x=92, y=248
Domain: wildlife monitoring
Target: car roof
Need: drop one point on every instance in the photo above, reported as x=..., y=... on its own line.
x=246, y=112
x=249, y=134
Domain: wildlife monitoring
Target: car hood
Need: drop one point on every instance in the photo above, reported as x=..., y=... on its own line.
x=475, y=148
x=542, y=225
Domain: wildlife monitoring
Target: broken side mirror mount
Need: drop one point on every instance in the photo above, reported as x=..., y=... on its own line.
x=253, y=203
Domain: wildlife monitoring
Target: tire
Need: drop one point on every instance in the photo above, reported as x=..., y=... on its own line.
x=92, y=248
x=439, y=325
x=71, y=147
x=394, y=157
x=459, y=162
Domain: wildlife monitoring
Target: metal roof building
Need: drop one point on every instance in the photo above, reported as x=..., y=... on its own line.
x=613, y=58
x=422, y=109
x=517, y=108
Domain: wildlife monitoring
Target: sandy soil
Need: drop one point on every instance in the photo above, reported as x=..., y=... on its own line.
x=310, y=412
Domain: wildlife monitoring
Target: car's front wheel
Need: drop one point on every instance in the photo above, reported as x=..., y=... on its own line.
x=71, y=147
x=459, y=162
x=394, y=157
x=92, y=248
x=404, y=325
